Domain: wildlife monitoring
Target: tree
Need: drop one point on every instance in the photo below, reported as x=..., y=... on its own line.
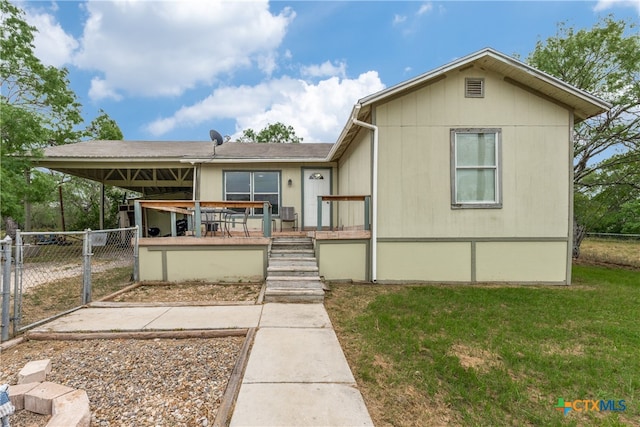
x=37, y=108
x=604, y=61
x=86, y=198
x=272, y=133
x=105, y=128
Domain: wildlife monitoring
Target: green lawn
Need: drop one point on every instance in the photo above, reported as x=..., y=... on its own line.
x=494, y=355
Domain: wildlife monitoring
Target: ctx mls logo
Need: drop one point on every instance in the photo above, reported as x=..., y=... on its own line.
x=585, y=405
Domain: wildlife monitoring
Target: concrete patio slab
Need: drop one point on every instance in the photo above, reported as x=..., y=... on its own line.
x=104, y=319
x=297, y=355
x=300, y=405
x=276, y=315
x=209, y=317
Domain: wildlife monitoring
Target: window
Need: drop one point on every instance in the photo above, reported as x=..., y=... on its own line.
x=259, y=186
x=475, y=168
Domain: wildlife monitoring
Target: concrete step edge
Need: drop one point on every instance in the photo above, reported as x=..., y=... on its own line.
x=294, y=278
x=305, y=268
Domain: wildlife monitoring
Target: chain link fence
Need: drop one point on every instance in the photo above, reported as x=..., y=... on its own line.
x=54, y=273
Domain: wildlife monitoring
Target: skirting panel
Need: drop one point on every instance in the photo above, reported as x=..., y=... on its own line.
x=151, y=265
x=343, y=260
x=206, y=263
x=544, y=262
x=424, y=261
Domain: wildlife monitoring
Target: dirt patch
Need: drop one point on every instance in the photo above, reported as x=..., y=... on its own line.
x=563, y=350
x=475, y=358
x=196, y=292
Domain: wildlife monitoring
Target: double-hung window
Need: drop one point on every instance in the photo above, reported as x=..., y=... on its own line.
x=256, y=186
x=475, y=168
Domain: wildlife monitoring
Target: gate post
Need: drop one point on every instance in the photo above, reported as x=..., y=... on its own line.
x=6, y=287
x=136, y=254
x=17, y=289
x=86, y=267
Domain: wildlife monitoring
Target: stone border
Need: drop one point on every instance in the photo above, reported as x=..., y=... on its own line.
x=225, y=410
x=69, y=407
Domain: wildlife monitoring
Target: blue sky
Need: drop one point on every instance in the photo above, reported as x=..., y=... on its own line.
x=172, y=70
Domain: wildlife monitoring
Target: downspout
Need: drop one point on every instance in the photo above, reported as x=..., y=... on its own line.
x=374, y=195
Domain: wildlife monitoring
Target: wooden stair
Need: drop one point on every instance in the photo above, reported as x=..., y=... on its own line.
x=292, y=273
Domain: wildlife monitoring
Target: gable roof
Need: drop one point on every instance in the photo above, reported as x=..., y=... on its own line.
x=583, y=104
x=169, y=162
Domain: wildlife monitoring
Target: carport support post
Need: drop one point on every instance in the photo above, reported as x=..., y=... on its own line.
x=174, y=227
x=86, y=267
x=137, y=214
x=197, y=220
x=6, y=287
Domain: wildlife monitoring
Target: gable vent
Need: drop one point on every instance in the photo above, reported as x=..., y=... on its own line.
x=474, y=88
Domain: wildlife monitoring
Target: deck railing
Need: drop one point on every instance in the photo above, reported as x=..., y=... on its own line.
x=193, y=208
x=332, y=198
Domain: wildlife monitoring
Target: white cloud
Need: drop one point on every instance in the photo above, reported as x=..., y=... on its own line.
x=425, y=8
x=316, y=111
x=326, y=69
x=608, y=4
x=100, y=90
x=53, y=46
x=399, y=19
x=162, y=48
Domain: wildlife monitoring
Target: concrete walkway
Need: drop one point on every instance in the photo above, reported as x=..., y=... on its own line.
x=296, y=375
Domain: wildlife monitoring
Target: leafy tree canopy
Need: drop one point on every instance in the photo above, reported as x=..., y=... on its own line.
x=605, y=61
x=37, y=108
x=104, y=128
x=273, y=133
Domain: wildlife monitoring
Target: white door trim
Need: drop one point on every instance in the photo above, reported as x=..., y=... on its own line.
x=310, y=194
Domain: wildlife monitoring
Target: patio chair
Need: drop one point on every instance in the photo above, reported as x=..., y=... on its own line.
x=208, y=219
x=236, y=218
x=288, y=214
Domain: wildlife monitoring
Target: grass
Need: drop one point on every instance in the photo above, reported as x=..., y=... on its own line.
x=494, y=355
x=618, y=252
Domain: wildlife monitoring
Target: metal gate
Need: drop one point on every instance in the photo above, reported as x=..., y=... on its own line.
x=55, y=273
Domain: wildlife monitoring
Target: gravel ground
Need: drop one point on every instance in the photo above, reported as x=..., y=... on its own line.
x=191, y=292
x=158, y=382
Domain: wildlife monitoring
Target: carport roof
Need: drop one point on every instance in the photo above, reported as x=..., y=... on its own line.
x=159, y=167
x=185, y=151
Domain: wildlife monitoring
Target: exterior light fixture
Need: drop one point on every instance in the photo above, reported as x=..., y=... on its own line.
x=290, y=182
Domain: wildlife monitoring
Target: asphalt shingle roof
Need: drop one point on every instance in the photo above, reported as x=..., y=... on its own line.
x=187, y=150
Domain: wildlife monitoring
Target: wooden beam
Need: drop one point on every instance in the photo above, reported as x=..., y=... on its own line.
x=140, y=335
x=334, y=198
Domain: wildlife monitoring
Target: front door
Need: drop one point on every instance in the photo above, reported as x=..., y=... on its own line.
x=317, y=182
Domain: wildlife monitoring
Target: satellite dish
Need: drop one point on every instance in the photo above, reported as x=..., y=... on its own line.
x=216, y=137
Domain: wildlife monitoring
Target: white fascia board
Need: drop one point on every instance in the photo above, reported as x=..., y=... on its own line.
x=459, y=63
x=241, y=160
x=345, y=130
x=107, y=160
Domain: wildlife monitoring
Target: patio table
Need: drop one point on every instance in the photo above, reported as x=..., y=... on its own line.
x=214, y=219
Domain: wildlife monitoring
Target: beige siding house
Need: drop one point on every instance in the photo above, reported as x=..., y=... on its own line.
x=468, y=170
